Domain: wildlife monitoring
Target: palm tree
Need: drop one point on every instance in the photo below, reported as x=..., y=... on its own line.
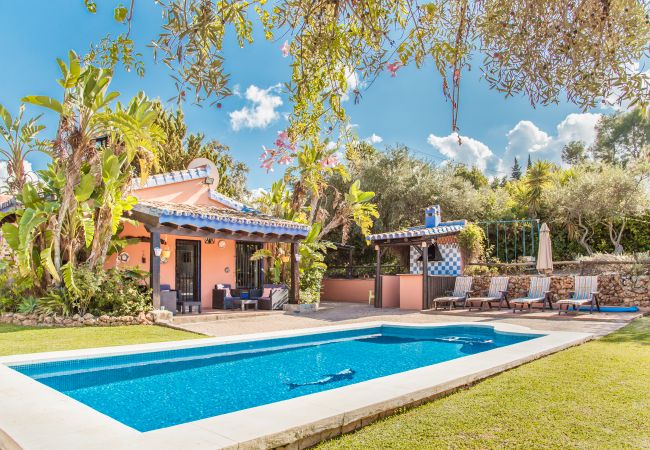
x=20, y=140
x=537, y=179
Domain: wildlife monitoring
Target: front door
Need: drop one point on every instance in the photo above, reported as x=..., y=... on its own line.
x=188, y=269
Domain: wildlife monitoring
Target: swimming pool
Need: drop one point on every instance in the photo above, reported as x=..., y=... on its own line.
x=153, y=390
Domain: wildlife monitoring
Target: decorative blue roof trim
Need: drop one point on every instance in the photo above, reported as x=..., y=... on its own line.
x=442, y=224
x=230, y=202
x=219, y=219
x=234, y=225
x=444, y=228
x=172, y=177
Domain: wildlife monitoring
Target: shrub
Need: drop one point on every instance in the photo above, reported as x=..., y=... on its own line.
x=310, y=284
x=28, y=305
x=472, y=242
x=472, y=271
x=14, y=287
x=57, y=302
x=123, y=292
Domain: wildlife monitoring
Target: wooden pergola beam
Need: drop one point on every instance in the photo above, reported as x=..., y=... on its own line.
x=201, y=233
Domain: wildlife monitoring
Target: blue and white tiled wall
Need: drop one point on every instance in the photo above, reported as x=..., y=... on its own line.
x=450, y=265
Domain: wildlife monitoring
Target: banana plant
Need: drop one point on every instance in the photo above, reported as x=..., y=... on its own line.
x=29, y=237
x=97, y=141
x=20, y=139
x=355, y=206
x=81, y=126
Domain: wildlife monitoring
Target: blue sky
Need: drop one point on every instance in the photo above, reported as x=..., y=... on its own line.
x=407, y=109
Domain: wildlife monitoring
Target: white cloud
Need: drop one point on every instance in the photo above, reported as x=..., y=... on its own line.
x=374, y=139
x=262, y=111
x=4, y=174
x=524, y=139
x=256, y=194
x=470, y=151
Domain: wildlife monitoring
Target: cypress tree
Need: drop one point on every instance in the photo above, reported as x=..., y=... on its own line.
x=516, y=170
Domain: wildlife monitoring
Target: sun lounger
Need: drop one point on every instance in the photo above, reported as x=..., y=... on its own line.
x=462, y=288
x=585, y=293
x=497, y=293
x=539, y=292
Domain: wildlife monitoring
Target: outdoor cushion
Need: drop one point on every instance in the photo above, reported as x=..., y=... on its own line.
x=448, y=299
x=266, y=293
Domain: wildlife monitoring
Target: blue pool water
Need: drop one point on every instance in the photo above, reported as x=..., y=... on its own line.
x=154, y=390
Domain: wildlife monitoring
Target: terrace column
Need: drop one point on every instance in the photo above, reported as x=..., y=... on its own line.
x=154, y=265
x=425, y=275
x=294, y=296
x=378, y=299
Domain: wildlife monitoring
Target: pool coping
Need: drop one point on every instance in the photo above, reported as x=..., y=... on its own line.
x=36, y=416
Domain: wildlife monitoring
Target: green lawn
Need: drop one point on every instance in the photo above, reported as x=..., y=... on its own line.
x=593, y=396
x=16, y=339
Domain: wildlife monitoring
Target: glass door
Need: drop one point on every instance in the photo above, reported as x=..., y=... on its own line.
x=248, y=273
x=188, y=270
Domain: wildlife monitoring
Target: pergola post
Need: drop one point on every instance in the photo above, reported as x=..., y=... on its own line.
x=425, y=275
x=294, y=296
x=154, y=266
x=378, y=299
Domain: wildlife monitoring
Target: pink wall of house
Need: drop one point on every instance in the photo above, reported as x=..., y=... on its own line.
x=347, y=290
x=191, y=192
x=390, y=291
x=214, y=260
x=356, y=290
x=410, y=291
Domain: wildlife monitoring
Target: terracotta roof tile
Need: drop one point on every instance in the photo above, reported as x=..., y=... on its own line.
x=182, y=214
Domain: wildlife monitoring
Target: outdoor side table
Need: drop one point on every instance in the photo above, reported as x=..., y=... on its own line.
x=248, y=302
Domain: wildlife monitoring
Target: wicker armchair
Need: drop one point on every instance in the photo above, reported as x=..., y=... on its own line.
x=223, y=297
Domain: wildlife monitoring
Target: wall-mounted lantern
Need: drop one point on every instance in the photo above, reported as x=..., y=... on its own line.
x=165, y=254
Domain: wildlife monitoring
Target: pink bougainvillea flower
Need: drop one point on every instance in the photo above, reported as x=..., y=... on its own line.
x=330, y=161
x=285, y=49
x=393, y=68
x=285, y=159
x=283, y=135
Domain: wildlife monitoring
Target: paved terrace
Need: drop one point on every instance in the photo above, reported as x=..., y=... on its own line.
x=342, y=313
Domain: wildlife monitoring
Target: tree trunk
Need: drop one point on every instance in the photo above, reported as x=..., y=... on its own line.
x=102, y=237
x=615, y=236
x=68, y=203
x=584, y=237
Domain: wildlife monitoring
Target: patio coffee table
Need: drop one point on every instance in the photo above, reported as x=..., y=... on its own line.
x=245, y=302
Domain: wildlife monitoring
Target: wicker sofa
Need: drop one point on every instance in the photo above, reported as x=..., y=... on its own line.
x=272, y=296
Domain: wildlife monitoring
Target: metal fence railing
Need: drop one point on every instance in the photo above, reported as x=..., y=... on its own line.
x=362, y=271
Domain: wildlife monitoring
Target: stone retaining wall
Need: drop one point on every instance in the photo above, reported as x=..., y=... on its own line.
x=614, y=288
x=86, y=320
